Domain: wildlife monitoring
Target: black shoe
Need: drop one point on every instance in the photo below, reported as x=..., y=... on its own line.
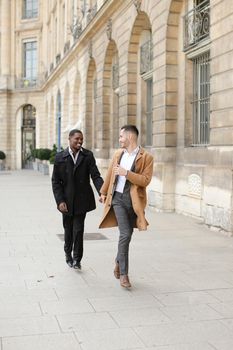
x=76, y=265
x=69, y=263
x=69, y=260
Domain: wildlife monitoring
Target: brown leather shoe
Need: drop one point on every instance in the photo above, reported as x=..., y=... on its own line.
x=124, y=281
x=116, y=271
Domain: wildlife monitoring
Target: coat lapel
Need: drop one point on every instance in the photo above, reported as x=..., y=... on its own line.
x=140, y=154
x=79, y=160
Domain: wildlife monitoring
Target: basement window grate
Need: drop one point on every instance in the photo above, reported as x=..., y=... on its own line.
x=88, y=236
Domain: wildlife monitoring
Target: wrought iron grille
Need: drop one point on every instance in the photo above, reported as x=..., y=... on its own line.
x=201, y=99
x=115, y=76
x=29, y=116
x=197, y=24
x=146, y=57
x=28, y=83
x=95, y=89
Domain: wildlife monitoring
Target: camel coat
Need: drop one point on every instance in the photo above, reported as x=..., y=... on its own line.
x=139, y=179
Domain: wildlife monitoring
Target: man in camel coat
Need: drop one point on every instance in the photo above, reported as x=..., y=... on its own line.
x=124, y=195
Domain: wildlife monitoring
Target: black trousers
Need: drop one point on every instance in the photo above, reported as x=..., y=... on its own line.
x=73, y=235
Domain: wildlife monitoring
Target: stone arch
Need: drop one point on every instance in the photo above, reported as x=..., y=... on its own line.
x=111, y=97
x=141, y=23
x=90, y=118
x=26, y=132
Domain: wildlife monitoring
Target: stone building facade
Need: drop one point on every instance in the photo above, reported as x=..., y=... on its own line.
x=165, y=65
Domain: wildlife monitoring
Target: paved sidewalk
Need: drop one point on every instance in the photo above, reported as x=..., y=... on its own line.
x=181, y=272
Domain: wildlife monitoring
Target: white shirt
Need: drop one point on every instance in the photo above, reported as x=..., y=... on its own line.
x=126, y=162
x=72, y=155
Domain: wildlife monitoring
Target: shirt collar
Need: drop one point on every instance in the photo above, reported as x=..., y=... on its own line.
x=71, y=152
x=135, y=151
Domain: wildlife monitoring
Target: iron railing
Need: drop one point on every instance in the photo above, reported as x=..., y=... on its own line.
x=146, y=57
x=28, y=83
x=197, y=24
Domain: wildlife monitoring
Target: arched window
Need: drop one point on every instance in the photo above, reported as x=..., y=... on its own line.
x=146, y=60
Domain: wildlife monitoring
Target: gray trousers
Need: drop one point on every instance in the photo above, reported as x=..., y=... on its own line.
x=126, y=217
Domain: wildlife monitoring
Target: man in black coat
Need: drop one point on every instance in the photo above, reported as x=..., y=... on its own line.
x=73, y=193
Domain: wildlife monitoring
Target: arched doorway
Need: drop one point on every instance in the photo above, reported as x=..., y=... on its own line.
x=28, y=133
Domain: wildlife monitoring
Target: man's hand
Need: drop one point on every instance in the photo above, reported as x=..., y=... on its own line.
x=118, y=170
x=102, y=198
x=63, y=207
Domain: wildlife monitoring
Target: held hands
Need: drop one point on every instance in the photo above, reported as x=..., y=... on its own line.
x=118, y=170
x=63, y=207
x=102, y=198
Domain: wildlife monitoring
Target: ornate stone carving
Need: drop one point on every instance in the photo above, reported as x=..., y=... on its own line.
x=137, y=4
x=76, y=28
x=66, y=47
x=58, y=58
x=109, y=29
x=194, y=185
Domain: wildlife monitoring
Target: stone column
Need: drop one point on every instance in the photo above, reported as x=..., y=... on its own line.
x=5, y=37
x=5, y=72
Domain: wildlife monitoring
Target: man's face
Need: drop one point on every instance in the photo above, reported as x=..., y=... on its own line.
x=124, y=139
x=76, y=141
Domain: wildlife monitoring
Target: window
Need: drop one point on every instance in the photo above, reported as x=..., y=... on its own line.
x=58, y=126
x=146, y=93
x=30, y=8
x=201, y=99
x=30, y=60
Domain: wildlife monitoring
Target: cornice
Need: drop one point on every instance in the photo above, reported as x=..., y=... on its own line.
x=100, y=20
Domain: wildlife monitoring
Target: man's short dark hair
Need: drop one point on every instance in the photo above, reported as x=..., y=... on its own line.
x=74, y=131
x=131, y=128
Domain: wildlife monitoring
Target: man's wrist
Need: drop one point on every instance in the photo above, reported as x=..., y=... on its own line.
x=127, y=171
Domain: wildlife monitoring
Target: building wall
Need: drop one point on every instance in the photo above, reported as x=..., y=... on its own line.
x=193, y=180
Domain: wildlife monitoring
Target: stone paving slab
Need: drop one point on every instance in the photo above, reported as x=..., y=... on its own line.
x=181, y=274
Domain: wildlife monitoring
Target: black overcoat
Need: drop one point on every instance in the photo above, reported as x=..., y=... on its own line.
x=71, y=183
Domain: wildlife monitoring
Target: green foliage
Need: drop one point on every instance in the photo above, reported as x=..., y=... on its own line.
x=34, y=153
x=53, y=154
x=2, y=155
x=41, y=153
x=44, y=153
